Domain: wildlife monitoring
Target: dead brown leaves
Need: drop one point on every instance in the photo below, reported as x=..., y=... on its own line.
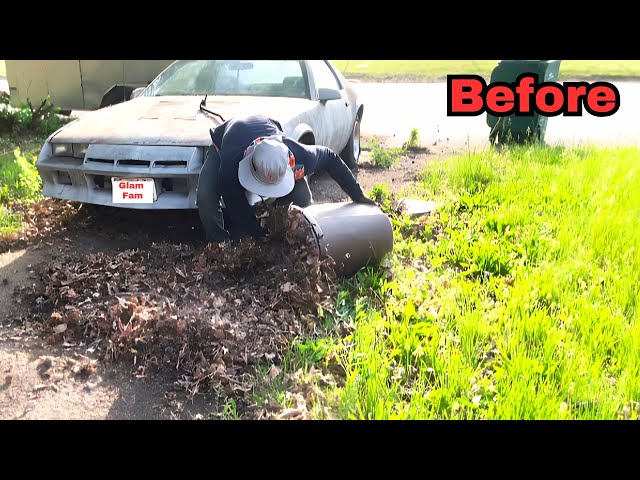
x=41, y=219
x=212, y=311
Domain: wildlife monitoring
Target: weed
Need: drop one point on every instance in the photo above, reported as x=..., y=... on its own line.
x=229, y=410
x=412, y=142
x=384, y=157
x=381, y=194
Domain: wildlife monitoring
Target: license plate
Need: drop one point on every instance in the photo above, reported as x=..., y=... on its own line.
x=133, y=190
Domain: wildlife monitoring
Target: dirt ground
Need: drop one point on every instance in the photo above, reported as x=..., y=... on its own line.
x=113, y=392
x=407, y=170
x=68, y=380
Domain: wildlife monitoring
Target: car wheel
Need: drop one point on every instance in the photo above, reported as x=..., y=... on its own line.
x=351, y=152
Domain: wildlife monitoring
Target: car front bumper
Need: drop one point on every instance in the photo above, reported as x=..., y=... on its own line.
x=175, y=171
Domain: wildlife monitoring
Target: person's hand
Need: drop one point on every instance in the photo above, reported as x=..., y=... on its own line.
x=263, y=234
x=366, y=201
x=221, y=236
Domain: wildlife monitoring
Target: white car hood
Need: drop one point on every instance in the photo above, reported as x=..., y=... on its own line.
x=173, y=120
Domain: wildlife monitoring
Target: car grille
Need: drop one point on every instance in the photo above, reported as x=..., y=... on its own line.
x=140, y=163
x=170, y=163
x=100, y=160
x=134, y=163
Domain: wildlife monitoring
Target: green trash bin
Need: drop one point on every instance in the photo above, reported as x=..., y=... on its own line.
x=520, y=129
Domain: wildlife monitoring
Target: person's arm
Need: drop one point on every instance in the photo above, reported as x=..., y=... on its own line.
x=217, y=133
x=242, y=217
x=327, y=159
x=208, y=199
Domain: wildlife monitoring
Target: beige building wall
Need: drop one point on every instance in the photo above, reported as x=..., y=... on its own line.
x=76, y=84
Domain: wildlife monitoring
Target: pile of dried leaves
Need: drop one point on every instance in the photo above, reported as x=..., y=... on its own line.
x=212, y=311
x=41, y=219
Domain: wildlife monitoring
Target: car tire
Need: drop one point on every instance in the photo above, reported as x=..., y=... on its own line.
x=351, y=153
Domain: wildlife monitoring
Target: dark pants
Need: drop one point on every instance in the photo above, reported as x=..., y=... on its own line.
x=209, y=192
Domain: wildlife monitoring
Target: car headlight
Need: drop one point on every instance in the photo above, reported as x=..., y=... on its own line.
x=77, y=150
x=80, y=149
x=62, y=149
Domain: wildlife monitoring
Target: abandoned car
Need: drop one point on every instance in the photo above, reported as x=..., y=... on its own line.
x=159, y=138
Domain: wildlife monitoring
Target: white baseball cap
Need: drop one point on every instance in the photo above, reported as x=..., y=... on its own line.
x=266, y=168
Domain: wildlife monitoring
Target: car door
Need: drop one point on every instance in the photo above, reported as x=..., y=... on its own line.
x=333, y=126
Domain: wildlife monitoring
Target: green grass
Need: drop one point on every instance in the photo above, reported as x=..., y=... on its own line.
x=28, y=142
x=19, y=179
x=9, y=221
x=430, y=70
x=517, y=299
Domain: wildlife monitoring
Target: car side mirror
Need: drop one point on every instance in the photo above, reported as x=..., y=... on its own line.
x=325, y=94
x=136, y=93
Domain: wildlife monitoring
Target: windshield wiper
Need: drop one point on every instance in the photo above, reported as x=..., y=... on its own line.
x=203, y=108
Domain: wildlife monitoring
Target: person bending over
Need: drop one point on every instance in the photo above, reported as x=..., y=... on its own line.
x=251, y=158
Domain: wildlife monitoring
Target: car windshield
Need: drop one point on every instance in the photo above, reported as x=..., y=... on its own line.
x=266, y=78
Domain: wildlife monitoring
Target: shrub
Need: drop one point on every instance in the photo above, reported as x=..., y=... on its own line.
x=44, y=119
x=384, y=157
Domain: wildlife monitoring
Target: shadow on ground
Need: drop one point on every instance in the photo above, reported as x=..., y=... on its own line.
x=39, y=381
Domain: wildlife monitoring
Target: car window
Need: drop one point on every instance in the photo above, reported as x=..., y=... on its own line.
x=323, y=76
x=182, y=78
x=273, y=78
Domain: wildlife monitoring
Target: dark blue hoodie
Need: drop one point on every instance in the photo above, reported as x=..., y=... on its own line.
x=232, y=137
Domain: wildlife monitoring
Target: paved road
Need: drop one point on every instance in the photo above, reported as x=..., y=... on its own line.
x=395, y=108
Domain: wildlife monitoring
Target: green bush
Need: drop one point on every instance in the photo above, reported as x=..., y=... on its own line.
x=44, y=119
x=384, y=157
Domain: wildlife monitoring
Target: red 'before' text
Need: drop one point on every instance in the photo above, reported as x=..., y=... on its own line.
x=469, y=95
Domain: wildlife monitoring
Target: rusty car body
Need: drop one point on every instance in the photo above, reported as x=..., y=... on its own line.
x=163, y=133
